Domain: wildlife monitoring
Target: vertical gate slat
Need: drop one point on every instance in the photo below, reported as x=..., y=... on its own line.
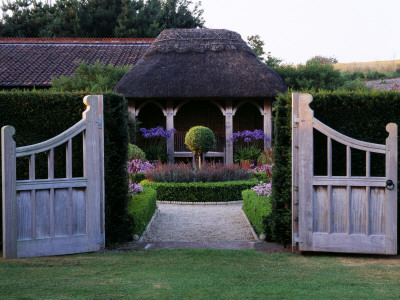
x=367, y=164
x=9, y=203
x=32, y=167
x=348, y=161
x=329, y=153
x=367, y=204
x=68, y=158
x=50, y=164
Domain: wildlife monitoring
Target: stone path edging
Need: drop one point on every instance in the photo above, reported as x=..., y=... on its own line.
x=148, y=225
x=251, y=226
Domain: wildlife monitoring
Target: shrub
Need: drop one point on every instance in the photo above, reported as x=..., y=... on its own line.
x=141, y=208
x=207, y=173
x=200, y=192
x=313, y=75
x=200, y=139
x=135, y=152
x=96, y=78
x=40, y=115
x=257, y=209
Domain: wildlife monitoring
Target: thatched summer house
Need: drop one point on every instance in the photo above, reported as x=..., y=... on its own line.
x=206, y=77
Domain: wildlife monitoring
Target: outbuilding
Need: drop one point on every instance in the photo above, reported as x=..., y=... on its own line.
x=208, y=77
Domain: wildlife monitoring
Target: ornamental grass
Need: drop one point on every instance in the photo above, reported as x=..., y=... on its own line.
x=207, y=173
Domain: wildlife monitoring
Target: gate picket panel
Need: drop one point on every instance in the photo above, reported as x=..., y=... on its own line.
x=55, y=216
x=348, y=213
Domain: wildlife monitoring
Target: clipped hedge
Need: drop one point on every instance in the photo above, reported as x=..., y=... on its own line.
x=141, y=208
x=139, y=177
x=200, y=191
x=257, y=209
x=40, y=115
x=360, y=115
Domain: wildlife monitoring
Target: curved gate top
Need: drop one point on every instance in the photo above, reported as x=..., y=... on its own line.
x=347, y=213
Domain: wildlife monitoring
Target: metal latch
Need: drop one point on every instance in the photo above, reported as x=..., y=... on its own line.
x=100, y=122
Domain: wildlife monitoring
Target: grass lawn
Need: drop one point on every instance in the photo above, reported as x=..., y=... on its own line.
x=200, y=274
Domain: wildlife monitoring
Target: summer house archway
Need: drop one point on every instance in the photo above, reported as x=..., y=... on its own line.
x=197, y=72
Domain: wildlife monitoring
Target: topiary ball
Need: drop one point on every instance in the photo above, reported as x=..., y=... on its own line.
x=135, y=152
x=200, y=139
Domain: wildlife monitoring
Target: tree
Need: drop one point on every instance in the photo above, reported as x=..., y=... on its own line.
x=322, y=60
x=97, y=18
x=257, y=45
x=97, y=78
x=199, y=140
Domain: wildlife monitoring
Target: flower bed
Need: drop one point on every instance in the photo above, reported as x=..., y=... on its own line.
x=200, y=191
x=257, y=209
x=141, y=207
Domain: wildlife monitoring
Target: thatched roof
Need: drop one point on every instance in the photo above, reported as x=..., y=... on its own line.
x=199, y=63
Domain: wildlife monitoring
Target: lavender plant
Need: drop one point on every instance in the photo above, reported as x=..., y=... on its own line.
x=207, y=173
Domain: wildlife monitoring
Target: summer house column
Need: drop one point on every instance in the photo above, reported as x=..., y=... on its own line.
x=267, y=114
x=170, y=125
x=228, y=132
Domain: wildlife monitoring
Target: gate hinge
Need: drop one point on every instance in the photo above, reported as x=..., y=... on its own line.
x=295, y=121
x=296, y=239
x=101, y=240
x=100, y=122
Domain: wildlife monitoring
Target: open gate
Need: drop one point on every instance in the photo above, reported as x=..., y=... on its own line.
x=348, y=213
x=55, y=216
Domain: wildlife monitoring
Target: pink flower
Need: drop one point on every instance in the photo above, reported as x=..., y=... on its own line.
x=263, y=189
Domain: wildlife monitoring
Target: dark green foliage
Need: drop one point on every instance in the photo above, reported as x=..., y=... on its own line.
x=199, y=191
x=261, y=176
x=139, y=177
x=40, y=115
x=322, y=60
x=257, y=209
x=313, y=75
x=141, y=208
x=257, y=45
x=200, y=139
x=360, y=115
x=97, y=18
x=135, y=152
x=97, y=78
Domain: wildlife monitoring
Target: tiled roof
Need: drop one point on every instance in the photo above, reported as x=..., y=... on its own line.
x=28, y=62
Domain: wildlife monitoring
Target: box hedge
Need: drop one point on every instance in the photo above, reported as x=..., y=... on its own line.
x=141, y=208
x=200, y=191
x=360, y=115
x=257, y=209
x=40, y=115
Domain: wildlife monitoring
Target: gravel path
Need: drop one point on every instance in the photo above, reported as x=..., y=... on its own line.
x=199, y=223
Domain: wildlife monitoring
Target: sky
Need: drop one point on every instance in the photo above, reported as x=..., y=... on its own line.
x=296, y=30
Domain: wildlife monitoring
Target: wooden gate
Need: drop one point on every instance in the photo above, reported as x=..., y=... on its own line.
x=341, y=213
x=55, y=216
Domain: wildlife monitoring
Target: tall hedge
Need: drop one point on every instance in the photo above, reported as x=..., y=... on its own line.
x=360, y=115
x=40, y=115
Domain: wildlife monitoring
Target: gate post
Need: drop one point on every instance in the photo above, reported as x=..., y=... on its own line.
x=9, y=178
x=295, y=170
x=93, y=168
x=305, y=170
x=391, y=195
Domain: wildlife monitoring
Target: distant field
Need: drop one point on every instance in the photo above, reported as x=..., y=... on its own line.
x=380, y=66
